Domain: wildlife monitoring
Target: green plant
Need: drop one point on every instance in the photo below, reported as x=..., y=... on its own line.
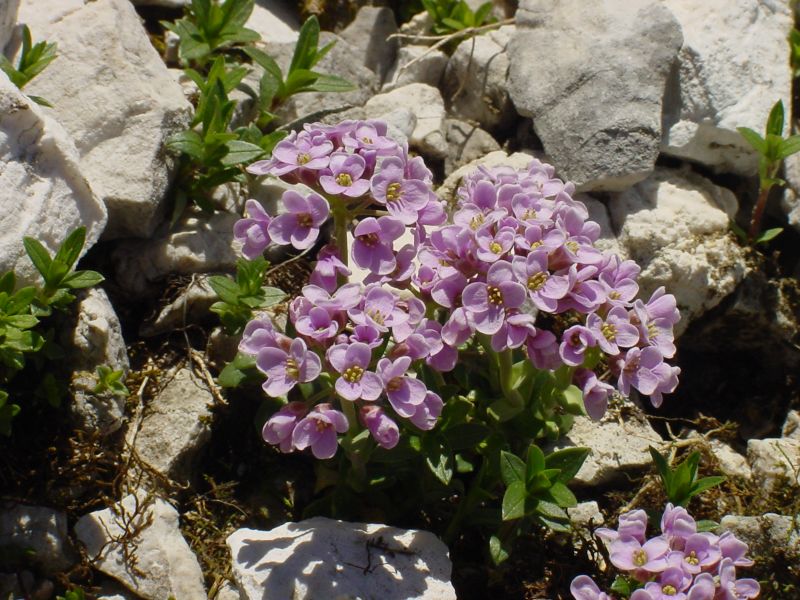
x=210, y=27
x=794, y=42
x=239, y=297
x=74, y=593
x=32, y=60
x=681, y=483
x=110, y=380
x=450, y=16
x=773, y=148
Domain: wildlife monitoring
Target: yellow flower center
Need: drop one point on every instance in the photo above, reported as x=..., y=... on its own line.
x=536, y=245
x=366, y=139
x=495, y=247
x=573, y=246
x=640, y=558
x=303, y=158
x=692, y=559
x=304, y=220
x=376, y=316
x=369, y=239
x=322, y=425
x=529, y=214
x=353, y=374
x=652, y=330
x=615, y=295
x=344, y=179
x=394, y=384
x=669, y=590
x=393, y=191
x=476, y=222
x=609, y=331
x=495, y=295
x=537, y=281
x=291, y=368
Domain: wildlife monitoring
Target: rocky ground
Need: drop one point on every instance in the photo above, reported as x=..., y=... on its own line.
x=170, y=492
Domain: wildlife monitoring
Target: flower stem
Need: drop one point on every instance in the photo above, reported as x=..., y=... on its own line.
x=758, y=212
x=340, y=219
x=506, y=372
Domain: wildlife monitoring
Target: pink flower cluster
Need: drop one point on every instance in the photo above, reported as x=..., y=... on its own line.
x=517, y=244
x=679, y=564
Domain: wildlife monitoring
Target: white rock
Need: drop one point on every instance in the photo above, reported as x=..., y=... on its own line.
x=8, y=17
x=120, y=122
x=165, y=566
x=197, y=244
x=175, y=425
x=675, y=225
x=426, y=103
x=43, y=190
x=775, y=463
x=274, y=22
x=731, y=70
x=191, y=306
x=474, y=82
x=586, y=515
x=618, y=444
x=791, y=427
x=227, y=592
x=420, y=24
x=323, y=558
x=594, y=86
x=369, y=34
x=164, y=3
x=729, y=460
x=96, y=340
x=416, y=64
x=765, y=533
x=790, y=200
x=467, y=143
x=40, y=529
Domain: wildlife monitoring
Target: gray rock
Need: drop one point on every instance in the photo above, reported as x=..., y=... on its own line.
x=791, y=427
x=323, y=558
x=420, y=24
x=42, y=530
x=766, y=533
x=466, y=143
x=43, y=189
x=790, y=200
x=416, y=64
x=8, y=17
x=594, y=87
x=618, y=445
x=426, y=103
x=675, y=225
x=369, y=34
x=730, y=462
x=120, y=122
x=227, y=592
x=174, y=426
x=731, y=69
x=191, y=306
x=164, y=564
x=474, y=84
x=196, y=244
x=775, y=463
x=586, y=515
x=274, y=22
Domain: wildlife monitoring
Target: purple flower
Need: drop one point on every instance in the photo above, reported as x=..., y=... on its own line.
x=403, y=197
x=259, y=334
x=703, y=588
x=405, y=393
x=492, y=247
x=346, y=297
x=731, y=588
x=614, y=332
x=428, y=412
x=372, y=244
x=345, y=178
x=299, y=226
x=356, y=382
x=735, y=549
x=619, y=278
x=318, y=430
x=303, y=152
x=368, y=335
x=280, y=426
x=544, y=289
x=677, y=525
x=595, y=393
x=403, y=270
x=656, y=320
x=328, y=266
x=574, y=343
x=632, y=524
x=252, y=231
x=627, y=554
x=699, y=553
x=514, y=331
x=382, y=428
x=542, y=350
x=317, y=325
x=285, y=369
x=584, y=588
x=380, y=309
x=486, y=303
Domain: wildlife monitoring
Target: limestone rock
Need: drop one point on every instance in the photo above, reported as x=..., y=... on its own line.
x=427, y=105
x=369, y=34
x=314, y=559
x=40, y=529
x=766, y=533
x=165, y=566
x=586, y=515
x=191, y=306
x=790, y=200
x=619, y=444
x=120, y=122
x=731, y=70
x=8, y=17
x=775, y=463
x=197, y=244
x=416, y=64
x=791, y=427
x=675, y=226
x=466, y=143
x=95, y=341
x=174, y=426
x=43, y=190
x=594, y=87
x=273, y=22
x=475, y=79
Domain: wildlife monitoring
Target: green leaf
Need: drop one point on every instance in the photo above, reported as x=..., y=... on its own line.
x=551, y=511
x=663, y=468
x=21, y=321
x=482, y=14
x=568, y=461
x=562, y=495
x=535, y=462
x=40, y=101
x=752, y=138
x=453, y=24
x=266, y=61
x=39, y=256
x=438, y=457
x=8, y=282
x=704, y=525
x=512, y=469
x=701, y=485
x=741, y=234
x=225, y=288
x=306, y=46
x=241, y=152
x=272, y=296
x=790, y=145
x=189, y=142
x=70, y=250
x=237, y=371
x=775, y=120
x=237, y=12
x=329, y=83
x=498, y=553
x=514, y=501
x=83, y=279
x=769, y=234
x=622, y=586
x=465, y=436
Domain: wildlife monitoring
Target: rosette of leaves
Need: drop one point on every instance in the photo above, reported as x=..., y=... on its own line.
x=33, y=59
x=450, y=16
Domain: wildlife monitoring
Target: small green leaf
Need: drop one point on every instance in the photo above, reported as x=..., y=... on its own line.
x=551, y=510
x=241, y=152
x=701, y=485
x=790, y=145
x=266, y=61
x=438, y=457
x=775, y=120
x=70, y=250
x=514, y=501
x=225, y=287
x=189, y=142
x=497, y=552
x=83, y=279
x=39, y=256
x=621, y=586
x=741, y=234
x=328, y=83
x=568, y=461
x=306, y=46
x=272, y=296
x=40, y=101
x=512, y=468
x=753, y=138
x=535, y=462
x=704, y=525
x=769, y=234
x=562, y=495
